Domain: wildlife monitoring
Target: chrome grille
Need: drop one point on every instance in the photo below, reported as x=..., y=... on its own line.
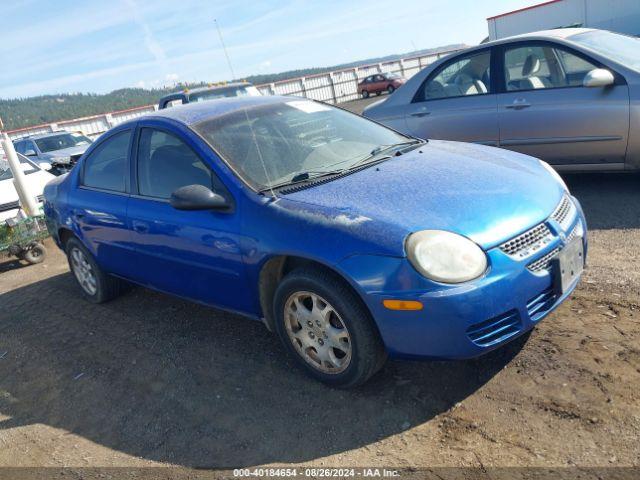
x=544, y=262
x=564, y=212
x=573, y=233
x=528, y=243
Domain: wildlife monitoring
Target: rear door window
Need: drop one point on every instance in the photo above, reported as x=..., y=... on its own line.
x=106, y=167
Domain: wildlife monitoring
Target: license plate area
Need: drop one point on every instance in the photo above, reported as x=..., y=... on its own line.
x=568, y=265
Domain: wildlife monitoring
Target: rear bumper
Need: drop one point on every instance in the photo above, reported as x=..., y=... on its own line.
x=458, y=321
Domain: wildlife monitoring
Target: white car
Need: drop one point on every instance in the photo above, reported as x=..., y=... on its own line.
x=36, y=177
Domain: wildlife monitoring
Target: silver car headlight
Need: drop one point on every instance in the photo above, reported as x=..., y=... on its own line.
x=445, y=257
x=554, y=174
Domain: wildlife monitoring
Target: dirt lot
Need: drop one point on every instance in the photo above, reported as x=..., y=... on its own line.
x=152, y=380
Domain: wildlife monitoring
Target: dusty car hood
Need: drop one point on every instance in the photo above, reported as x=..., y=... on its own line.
x=487, y=194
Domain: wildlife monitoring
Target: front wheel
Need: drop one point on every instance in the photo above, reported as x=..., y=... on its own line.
x=391, y=89
x=96, y=285
x=365, y=94
x=327, y=329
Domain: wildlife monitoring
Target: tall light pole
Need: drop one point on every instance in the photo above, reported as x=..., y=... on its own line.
x=233, y=75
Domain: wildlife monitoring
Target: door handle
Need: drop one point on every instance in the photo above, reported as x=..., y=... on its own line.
x=419, y=114
x=140, y=227
x=518, y=104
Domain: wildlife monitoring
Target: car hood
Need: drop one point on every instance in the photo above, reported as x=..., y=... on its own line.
x=35, y=181
x=486, y=194
x=65, y=152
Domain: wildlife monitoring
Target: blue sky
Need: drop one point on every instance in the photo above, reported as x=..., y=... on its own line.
x=98, y=46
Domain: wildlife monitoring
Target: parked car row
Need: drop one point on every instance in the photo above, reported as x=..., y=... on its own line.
x=351, y=240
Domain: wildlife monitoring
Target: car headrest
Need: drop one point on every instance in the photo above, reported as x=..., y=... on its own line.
x=531, y=66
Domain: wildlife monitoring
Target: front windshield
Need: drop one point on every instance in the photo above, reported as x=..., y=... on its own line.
x=619, y=48
x=27, y=166
x=59, y=142
x=270, y=144
x=244, y=91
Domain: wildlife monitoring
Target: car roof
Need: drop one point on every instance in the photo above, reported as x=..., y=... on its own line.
x=209, y=88
x=196, y=112
x=41, y=135
x=557, y=33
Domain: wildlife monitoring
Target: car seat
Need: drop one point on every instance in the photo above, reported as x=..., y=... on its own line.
x=530, y=81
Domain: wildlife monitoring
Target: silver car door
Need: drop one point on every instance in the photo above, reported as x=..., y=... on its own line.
x=545, y=110
x=456, y=102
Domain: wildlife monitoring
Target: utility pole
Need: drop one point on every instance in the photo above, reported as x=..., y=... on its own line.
x=224, y=48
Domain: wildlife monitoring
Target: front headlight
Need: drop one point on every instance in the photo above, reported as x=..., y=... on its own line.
x=554, y=174
x=445, y=257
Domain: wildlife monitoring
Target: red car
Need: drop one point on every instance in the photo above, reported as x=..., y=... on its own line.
x=380, y=82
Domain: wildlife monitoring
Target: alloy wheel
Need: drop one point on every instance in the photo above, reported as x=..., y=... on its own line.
x=83, y=271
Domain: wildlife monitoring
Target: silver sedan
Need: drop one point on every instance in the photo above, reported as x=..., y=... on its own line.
x=569, y=96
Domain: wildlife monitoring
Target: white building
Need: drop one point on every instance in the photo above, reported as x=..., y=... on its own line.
x=617, y=15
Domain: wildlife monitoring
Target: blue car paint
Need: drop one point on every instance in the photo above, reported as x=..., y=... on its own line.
x=355, y=225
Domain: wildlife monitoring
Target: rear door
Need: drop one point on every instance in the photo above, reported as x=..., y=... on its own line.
x=456, y=102
x=99, y=203
x=545, y=111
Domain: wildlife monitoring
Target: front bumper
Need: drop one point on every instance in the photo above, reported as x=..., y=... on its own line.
x=460, y=321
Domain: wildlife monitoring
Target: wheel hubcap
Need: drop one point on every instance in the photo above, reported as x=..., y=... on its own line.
x=83, y=271
x=317, y=332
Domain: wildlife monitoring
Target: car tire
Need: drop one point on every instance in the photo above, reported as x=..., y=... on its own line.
x=391, y=89
x=365, y=94
x=96, y=285
x=360, y=352
x=36, y=253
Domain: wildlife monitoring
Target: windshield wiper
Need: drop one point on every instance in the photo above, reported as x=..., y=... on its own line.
x=304, y=177
x=379, y=149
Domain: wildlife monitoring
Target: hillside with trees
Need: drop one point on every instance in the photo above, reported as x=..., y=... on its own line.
x=24, y=112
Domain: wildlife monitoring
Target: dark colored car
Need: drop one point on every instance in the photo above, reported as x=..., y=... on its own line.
x=380, y=82
x=212, y=92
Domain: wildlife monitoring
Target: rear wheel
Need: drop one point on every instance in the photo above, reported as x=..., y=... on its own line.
x=327, y=329
x=365, y=94
x=96, y=285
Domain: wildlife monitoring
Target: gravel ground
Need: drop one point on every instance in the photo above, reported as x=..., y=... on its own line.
x=149, y=379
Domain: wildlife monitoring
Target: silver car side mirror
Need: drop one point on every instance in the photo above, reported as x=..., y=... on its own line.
x=30, y=153
x=598, y=77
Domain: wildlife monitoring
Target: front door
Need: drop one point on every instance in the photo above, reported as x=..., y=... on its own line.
x=456, y=102
x=194, y=254
x=546, y=112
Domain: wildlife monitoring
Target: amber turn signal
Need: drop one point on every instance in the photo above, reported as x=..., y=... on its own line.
x=402, y=304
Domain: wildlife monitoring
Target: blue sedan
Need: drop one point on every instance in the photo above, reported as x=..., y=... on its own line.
x=349, y=240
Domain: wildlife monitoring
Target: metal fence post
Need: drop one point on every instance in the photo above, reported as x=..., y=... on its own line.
x=402, y=67
x=333, y=88
x=303, y=86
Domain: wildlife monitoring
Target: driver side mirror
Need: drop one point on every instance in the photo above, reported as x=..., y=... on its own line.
x=198, y=197
x=30, y=153
x=598, y=77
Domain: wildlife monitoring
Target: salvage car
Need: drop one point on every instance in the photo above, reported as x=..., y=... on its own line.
x=210, y=92
x=350, y=240
x=60, y=150
x=567, y=96
x=378, y=83
x=36, y=177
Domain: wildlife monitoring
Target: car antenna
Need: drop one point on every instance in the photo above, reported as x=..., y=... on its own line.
x=264, y=165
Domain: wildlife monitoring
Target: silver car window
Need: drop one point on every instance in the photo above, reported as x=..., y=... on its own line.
x=466, y=76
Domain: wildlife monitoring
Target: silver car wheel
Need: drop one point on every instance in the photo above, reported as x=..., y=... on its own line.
x=83, y=271
x=317, y=332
